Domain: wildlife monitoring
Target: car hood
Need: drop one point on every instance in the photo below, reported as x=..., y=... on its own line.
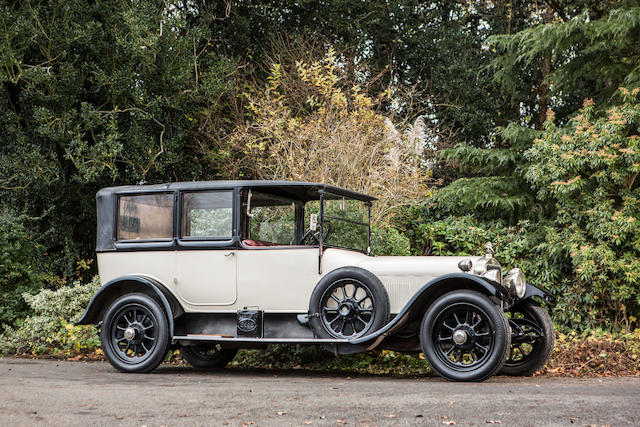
x=421, y=268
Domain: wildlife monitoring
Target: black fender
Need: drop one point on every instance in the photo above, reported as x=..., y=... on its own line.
x=534, y=293
x=422, y=299
x=126, y=284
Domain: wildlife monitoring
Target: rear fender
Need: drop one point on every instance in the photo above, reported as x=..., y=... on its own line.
x=128, y=284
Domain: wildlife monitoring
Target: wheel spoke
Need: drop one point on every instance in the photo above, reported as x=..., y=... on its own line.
x=445, y=339
x=362, y=320
x=477, y=344
x=336, y=299
x=455, y=315
x=353, y=325
x=448, y=327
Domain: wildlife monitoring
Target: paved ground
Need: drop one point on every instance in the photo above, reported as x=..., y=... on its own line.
x=92, y=393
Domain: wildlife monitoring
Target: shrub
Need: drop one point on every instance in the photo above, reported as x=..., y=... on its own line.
x=587, y=170
x=50, y=330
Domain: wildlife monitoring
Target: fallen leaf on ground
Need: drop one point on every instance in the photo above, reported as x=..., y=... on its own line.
x=449, y=423
x=281, y=412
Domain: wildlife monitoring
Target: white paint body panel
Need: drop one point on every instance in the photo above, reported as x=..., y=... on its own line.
x=277, y=280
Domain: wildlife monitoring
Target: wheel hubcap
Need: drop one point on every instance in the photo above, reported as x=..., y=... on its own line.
x=460, y=337
x=129, y=334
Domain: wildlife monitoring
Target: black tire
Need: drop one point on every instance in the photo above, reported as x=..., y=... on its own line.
x=150, y=342
x=207, y=356
x=532, y=339
x=483, y=327
x=349, y=302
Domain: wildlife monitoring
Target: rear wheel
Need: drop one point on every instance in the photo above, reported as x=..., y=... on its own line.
x=532, y=339
x=135, y=333
x=465, y=336
x=207, y=356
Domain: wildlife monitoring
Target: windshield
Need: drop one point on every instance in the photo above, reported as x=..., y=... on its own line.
x=345, y=221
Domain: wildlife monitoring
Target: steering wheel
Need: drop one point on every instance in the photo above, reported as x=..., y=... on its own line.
x=312, y=237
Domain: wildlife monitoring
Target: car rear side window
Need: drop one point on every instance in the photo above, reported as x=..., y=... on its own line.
x=207, y=214
x=145, y=217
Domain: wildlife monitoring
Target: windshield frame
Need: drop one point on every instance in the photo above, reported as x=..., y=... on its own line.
x=321, y=221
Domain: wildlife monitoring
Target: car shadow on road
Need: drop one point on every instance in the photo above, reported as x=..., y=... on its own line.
x=169, y=369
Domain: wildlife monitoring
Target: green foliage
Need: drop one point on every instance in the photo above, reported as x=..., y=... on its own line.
x=21, y=265
x=50, y=330
x=389, y=241
x=591, y=57
x=588, y=171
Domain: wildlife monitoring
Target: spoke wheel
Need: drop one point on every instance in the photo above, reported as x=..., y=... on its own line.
x=532, y=339
x=347, y=308
x=347, y=303
x=465, y=336
x=135, y=333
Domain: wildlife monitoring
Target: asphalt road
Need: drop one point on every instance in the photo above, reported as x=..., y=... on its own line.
x=92, y=393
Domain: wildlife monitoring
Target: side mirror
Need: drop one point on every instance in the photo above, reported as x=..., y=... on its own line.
x=313, y=222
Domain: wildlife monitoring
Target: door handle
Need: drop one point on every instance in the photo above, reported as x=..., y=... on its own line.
x=228, y=254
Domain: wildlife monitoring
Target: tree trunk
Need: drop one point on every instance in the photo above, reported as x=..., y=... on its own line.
x=543, y=86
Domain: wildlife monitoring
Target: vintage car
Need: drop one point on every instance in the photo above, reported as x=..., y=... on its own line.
x=211, y=267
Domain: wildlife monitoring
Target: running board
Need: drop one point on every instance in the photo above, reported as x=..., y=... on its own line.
x=221, y=338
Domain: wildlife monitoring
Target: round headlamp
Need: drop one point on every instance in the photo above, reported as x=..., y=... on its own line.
x=516, y=283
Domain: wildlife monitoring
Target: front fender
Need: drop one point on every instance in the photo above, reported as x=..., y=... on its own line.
x=534, y=291
x=426, y=295
x=117, y=287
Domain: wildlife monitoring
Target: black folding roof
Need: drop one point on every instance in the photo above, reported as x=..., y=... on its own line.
x=294, y=189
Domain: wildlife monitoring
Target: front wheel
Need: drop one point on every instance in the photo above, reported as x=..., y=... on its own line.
x=532, y=339
x=465, y=336
x=135, y=333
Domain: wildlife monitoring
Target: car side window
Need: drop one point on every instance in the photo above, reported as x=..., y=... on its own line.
x=145, y=217
x=207, y=214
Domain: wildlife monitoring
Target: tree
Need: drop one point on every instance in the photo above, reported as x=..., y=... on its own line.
x=95, y=94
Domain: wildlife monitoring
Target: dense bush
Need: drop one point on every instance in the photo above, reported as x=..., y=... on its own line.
x=21, y=265
x=585, y=250
x=50, y=330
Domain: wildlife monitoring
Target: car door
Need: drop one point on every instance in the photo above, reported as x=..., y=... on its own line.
x=205, y=268
x=275, y=273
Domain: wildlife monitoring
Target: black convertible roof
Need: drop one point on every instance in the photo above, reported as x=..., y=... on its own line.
x=295, y=189
x=303, y=191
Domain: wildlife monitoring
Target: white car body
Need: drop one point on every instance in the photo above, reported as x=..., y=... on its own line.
x=227, y=280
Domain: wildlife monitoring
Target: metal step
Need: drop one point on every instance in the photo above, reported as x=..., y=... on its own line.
x=226, y=338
